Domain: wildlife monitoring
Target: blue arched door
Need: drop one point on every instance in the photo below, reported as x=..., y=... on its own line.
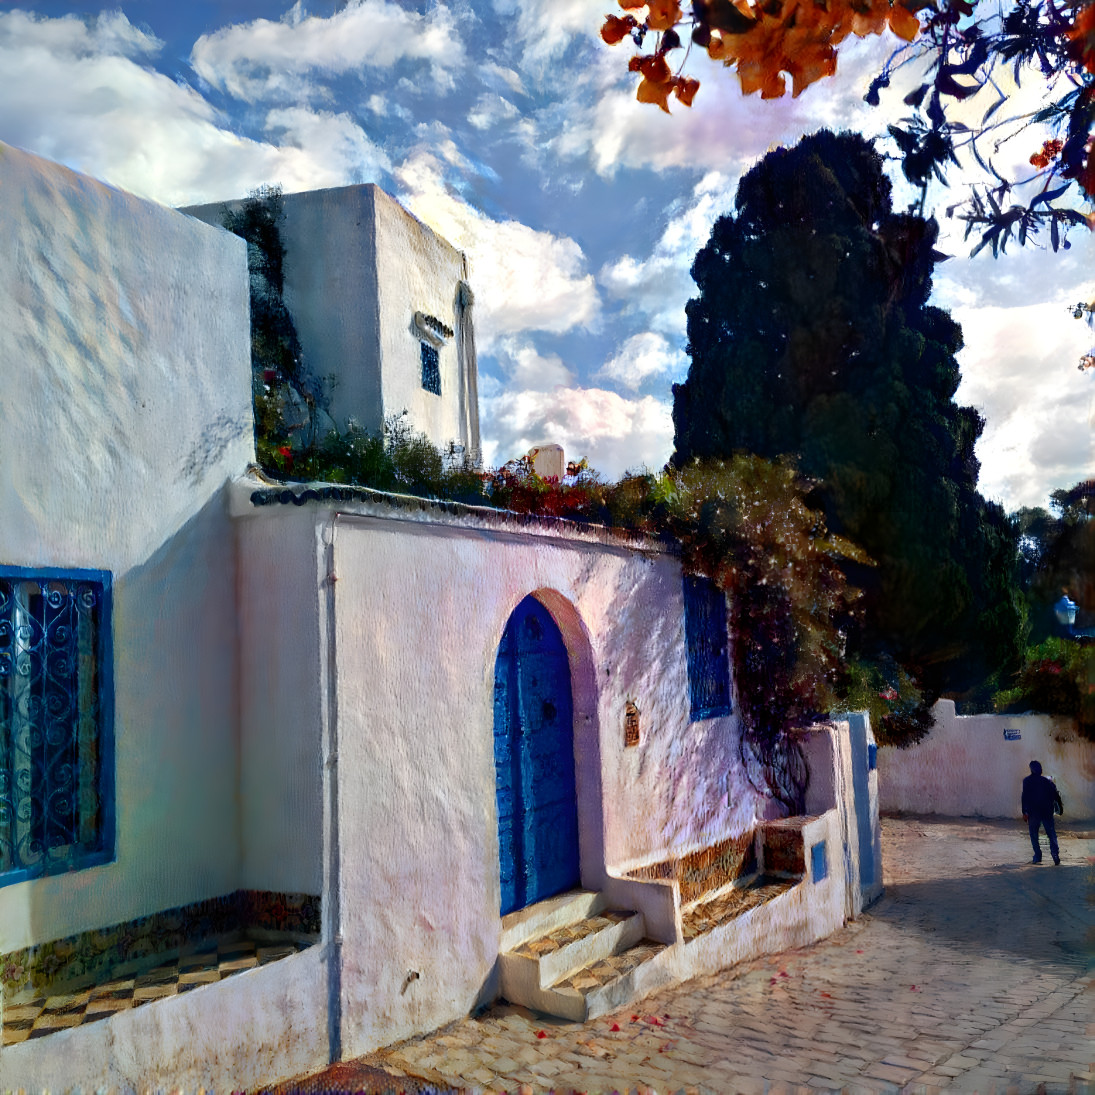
x=534, y=760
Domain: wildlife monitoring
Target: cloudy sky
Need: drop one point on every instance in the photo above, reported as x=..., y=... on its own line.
x=510, y=128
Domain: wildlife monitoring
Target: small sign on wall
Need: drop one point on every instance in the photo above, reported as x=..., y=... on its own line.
x=631, y=725
x=1012, y=735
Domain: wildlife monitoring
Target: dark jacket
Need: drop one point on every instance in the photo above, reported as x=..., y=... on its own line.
x=1039, y=796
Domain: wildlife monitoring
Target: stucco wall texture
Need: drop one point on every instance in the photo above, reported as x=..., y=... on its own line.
x=967, y=768
x=124, y=409
x=419, y=611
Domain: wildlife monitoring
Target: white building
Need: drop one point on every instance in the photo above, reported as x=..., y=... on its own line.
x=288, y=773
x=382, y=307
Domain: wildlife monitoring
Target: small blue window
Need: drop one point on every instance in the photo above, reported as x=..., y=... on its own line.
x=705, y=639
x=431, y=369
x=819, y=861
x=56, y=722
x=872, y=757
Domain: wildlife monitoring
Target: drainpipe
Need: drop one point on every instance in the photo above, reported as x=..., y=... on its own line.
x=332, y=910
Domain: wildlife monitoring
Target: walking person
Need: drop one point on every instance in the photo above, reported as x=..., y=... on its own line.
x=1040, y=799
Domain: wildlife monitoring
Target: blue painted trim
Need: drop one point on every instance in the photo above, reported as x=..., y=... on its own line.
x=819, y=862
x=104, y=849
x=872, y=757
x=706, y=647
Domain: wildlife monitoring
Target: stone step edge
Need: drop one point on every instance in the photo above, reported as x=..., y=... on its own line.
x=781, y=876
x=536, y=921
x=579, y=953
x=742, y=883
x=579, y=1005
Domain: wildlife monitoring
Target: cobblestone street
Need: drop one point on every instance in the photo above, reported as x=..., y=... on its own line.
x=973, y=973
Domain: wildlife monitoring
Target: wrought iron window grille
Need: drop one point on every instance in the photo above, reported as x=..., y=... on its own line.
x=56, y=722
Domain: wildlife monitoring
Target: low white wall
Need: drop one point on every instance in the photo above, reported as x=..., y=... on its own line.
x=125, y=406
x=807, y=912
x=967, y=768
x=420, y=607
x=250, y=1030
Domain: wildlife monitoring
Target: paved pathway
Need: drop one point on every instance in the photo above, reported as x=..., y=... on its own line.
x=973, y=973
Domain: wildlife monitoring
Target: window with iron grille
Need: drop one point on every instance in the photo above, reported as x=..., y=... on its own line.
x=705, y=639
x=56, y=722
x=431, y=369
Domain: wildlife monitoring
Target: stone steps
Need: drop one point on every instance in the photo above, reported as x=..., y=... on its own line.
x=591, y=963
x=712, y=911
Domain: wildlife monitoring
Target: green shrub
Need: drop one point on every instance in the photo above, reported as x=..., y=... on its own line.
x=1057, y=678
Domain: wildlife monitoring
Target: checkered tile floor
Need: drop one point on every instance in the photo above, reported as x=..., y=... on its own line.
x=48, y=1014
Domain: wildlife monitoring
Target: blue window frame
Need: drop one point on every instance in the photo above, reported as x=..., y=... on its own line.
x=431, y=369
x=56, y=722
x=705, y=639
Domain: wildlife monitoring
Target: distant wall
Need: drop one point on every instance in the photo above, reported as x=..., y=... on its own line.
x=966, y=767
x=125, y=406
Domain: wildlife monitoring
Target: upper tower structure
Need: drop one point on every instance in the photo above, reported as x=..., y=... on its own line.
x=382, y=307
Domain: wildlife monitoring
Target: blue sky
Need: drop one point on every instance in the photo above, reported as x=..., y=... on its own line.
x=510, y=128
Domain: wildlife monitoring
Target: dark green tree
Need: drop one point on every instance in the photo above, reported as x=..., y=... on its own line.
x=812, y=337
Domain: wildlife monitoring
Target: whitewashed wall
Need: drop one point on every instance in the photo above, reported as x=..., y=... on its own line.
x=124, y=406
x=966, y=767
x=358, y=267
x=420, y=601
x=418, y=271
x=283, y=696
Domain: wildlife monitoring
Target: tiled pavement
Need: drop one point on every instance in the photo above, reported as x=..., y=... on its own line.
x=205, y=966
x=973, y=973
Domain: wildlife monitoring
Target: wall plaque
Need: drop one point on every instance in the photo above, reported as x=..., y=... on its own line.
x=631, y=725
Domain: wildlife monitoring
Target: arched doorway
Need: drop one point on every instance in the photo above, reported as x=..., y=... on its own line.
x=534, y=760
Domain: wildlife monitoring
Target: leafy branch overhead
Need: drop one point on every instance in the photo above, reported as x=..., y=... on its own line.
x=762, y=41
x=956, y=49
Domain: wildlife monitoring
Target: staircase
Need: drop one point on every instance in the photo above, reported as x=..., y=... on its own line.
x=575, y=958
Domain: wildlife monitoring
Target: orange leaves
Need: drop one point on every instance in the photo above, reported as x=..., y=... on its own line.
x=658, y=82
x=903, y=23
x=765, y=40
x=1081, y=36
x=617, y=29
x=1050, y=149
x=664, y=14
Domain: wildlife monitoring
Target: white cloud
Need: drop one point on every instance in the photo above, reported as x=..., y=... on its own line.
x=544, y=31
x=642, y=357
x=524, y=279
x=490, y=111
x=267, y=58
x=528, y=370
x=75, y=91
x=501, y=77
x=1019, y=369
x=326, y=138
x=659, y=285
x=613, y=432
